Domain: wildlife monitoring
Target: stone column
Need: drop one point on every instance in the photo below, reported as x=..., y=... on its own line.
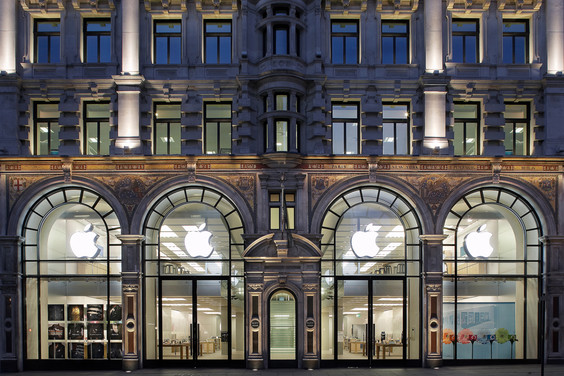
x=433, y=36
x=433, y=301
x=435, y=140
x=7, y=37
x=130, y=37
x=131, y=300
x=129, y=126
x=554, y=36
x=11, y=350
x=553, y=297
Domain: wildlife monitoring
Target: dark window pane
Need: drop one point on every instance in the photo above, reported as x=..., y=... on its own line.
x=218, y=27
x=457, y=49
x=225, y=50
x=168, y=27
x=471, y=50
x=464, y=26
x=393, y=27
x=105, y=49
x=520, y=50
x=98, y=26
x=48, y=26
x=55, y=50
x=91, y=49
x=387, y=50
x=507, y=50
x=43, y=49
x=161, y=51
x=281, y=41
x=401, y=50
x=175, y=50
x=514, y=27
x=351, y=52
x=338, y=138
x=344, y=27
x=337, y=50
x=211, y=50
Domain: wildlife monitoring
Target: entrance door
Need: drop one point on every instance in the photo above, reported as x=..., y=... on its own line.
x=194, y=324
x=282, y=331
x=388, y=319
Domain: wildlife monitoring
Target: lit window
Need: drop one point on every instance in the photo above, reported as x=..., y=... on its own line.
x=516, y=129
x=218, y=42
x=345, y=129
x=217, y=138
x=47, y=41
x=96, y=129
x=276, y=211
x=395, y=37
x=167, y=43
x=464, y=41
x=395, y=129
x=167, y=129
x=281, y=102
x=282, y=135
x=344, y=42
x=46, y=128
x=466, y=129
x=515, y=42
x=97, y=40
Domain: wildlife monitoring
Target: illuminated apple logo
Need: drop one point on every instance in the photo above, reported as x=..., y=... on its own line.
x=197, y=242
x=83, y=243
x=477, y=243
x=363, y=243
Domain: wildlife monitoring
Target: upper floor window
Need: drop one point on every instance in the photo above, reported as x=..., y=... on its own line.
x=281, y=102
x=167, y=43
x=395, y=129
x=344, y=42
x=466, y=129
x=516, y=129
x=515, y=42
x=167, y=129
x=345, y=129
x=96, y=129
x=97, y=40
x=282, y=135
x=464, y=41
x=217, y=138
x=47, y=41
x=395, y=37
x=46, y=120
x=218, y=42
x=281, y=40
x=282, y=210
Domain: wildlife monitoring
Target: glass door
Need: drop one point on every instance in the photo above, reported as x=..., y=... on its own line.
x=282, y=334
x=388, y=319
x=352, y=319
x=194, y=320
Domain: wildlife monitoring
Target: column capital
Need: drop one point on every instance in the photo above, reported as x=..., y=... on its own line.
x=433, y=238
x=552, y=239
x=131, y=239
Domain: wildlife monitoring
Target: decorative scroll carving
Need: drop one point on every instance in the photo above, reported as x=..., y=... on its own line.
x=94, y=5
x=547, y=184
x=320, y=183
x=255, y=286
x=434, y=189
x=397, y=6
x=67, y=171
x=468, y=5
x=245, y=184
x=130, y=189
x=310, y=287
x=165, y=6
x=433, y=288
x=130, y=288
x=43, y=6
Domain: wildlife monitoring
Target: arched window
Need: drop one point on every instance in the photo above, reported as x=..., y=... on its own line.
x=492, y=265
x=72, y=277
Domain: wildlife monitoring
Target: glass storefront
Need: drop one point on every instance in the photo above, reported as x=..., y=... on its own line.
x=194, y=284
x=370, y=287
x=72, y=269
x=492, y=260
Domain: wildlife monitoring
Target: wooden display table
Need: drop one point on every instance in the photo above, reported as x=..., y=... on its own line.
x=180, y=346
x=385, y=346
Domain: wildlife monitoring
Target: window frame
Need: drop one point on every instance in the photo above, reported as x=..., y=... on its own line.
x=37, y=120
x=394, y=37
x=513, y=35
x=464, y=122
x=343, y=36
x=168, y=37
x=395, y=122
x=168, y=122
x=49, y=34
x=284, y=137
x=96, y=120
x=345, y=121
x=513, y=122
x=97, y=35
x=464, y=35
x=217, y=36
x=216, y=122
x=286, y=29
x=276, y=207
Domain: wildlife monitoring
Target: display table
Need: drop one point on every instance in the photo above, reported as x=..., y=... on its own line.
x=207, y=347
x=181, y=346
x=385, y=346
x=357, y=347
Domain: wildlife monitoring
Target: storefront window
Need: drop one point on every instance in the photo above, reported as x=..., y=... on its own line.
x=491, y=266
x=370, y=278
x=72, y=277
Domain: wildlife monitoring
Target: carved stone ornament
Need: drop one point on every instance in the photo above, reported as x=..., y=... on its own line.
x=191, y=172
x=548, y=186
x=42, y=6
x=496, y=172
x=245, y=184
x=130, y=288
x=255, y=286
x=320, y=183
x=130, y=189
x=435, y=188
x=310, y=287
x=19, y=184
x=67, y=171
x=468, y=5
x=397, y=6
x=94, y=5
x=165, y=6
x=437, y=288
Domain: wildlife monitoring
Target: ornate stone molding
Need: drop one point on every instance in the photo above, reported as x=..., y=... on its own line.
x=468, y=5
x=165, y=6
x=94, y=5
x=397, y=6
x=519, y=6
x=255, y=286
x=130, y=288
x=310, y=287
x=43, y=6
x=216, y=6
x=433, y=288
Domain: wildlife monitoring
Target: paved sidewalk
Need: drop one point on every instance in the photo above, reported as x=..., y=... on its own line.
x=497, y=370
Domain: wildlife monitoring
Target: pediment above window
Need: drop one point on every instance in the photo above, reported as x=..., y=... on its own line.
x=216, y=6
x=397, y=6
x=42, y=6
x=468, y=5
x=94, y=5
x=165, y=6
x=519, y=6
x=346, y=6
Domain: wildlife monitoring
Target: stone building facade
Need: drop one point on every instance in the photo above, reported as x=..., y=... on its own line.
x=280, y=183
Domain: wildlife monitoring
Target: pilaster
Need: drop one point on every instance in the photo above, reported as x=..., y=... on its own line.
x=433, y=36
x=554, y=36
x=129, y=127
x=7, y=37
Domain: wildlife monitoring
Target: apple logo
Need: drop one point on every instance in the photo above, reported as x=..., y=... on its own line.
x=83, y=243
x=477, y=243
x=363, y=243
x=197, y=242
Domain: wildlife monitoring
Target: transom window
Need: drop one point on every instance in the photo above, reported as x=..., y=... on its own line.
x=97, y=40
x=464, y=41
x=167, y=132
x=167, y=42
x=395, y=129
x=395, y=42
x=47, y=40
x=218, y=42
x=466, y=129
x=97, y=128
x=217, y=139
x=516, y=129
x=515, y=42
x=344, y=42
x=46, y=128
x=345, y=128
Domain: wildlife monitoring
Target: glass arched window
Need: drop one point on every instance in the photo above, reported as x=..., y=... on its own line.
x=72, y=268
x=492, y=263
x=370, y=277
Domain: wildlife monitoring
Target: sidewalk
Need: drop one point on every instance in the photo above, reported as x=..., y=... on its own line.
x=498, y=370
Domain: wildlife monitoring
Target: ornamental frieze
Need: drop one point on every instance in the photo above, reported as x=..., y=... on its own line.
x=130, y=189
x=547, y=184
x=245, y=185
x=18, y=184
x=435, y=188
x=320, y=183
x=255, y=286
